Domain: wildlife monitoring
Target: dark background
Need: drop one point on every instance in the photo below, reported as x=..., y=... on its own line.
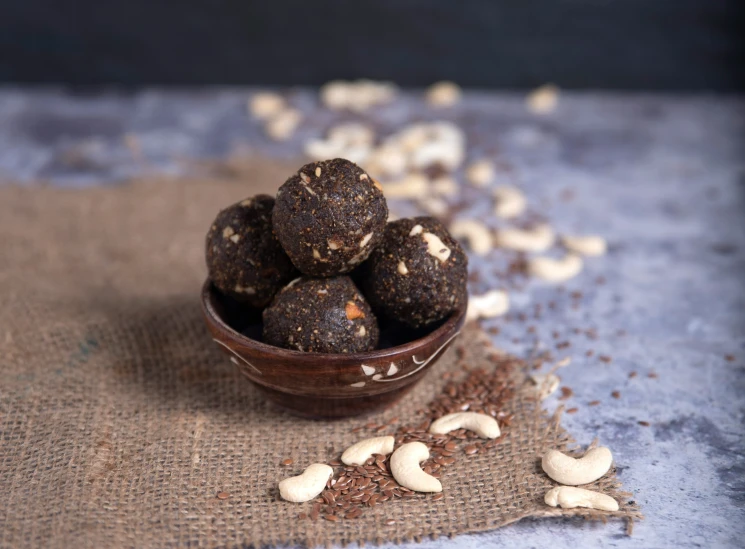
x=610, y=44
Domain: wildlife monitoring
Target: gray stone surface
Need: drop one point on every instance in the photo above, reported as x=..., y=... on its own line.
x=663, y=178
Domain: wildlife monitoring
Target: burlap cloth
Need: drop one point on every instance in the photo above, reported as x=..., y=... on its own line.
x=120, y=420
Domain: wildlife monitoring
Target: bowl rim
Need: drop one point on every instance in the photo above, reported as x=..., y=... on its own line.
x=448, y=328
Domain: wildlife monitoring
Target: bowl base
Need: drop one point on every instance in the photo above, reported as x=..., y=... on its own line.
x=333, y=408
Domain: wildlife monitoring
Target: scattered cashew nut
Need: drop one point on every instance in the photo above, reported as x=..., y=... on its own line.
x=306, y=486
x=358, y=454
x=488, y=305
x=412, y=186
x=478, y=235
x=443, y=94
x=590, y=245
x=543, y=100
x=575, y=471
x=538, y=239
x=481, y=424
x=510, y=202
x=480, y=173
x=555, y=270
x=405, y=468
x=264, y=105
x=568, y=497
x=282, y=125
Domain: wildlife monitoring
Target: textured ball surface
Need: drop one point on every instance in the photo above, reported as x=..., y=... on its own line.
x=321, y=315
x=418, y=274
x=329, y=217
x=244, y=259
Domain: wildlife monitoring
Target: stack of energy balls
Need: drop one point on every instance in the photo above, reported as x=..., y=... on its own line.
x=325, y=266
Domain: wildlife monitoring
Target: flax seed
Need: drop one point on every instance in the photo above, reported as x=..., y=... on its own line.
x=470, y=450
x=223, y=495
x=332, y=518
x=572, y=410
x=288, y=461
x=438, y=497
x=616, y=394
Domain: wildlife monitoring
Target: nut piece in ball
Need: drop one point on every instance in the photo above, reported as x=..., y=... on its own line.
x=329, y=217
x=244, y=258
x=418, y=274
x=321, y=315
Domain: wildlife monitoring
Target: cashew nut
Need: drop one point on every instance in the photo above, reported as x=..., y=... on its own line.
x=405, y=468
x=306, y=486
x=412, y=186
x=568, y=498
x=282, y=125
x=266, y=104
x=444, y=186
x=555, y=270
x=543, y=100
x=585, y=245
x=436, y=247
x=358, y=454
x=480, y=173
x=481, y=424
x=510, y=202
x=447, y=153
x=546, y=385
x=575, y=471
x=478, y=235
x=443, y=94
x=538, y=239
x=488, y=305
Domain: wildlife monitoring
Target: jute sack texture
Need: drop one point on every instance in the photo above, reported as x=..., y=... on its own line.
x=120, y=420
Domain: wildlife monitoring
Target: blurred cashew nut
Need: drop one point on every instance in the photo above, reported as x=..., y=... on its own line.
x=510, y=202
x=555, y=270
x=488, y=305
x=481, y=424
x=476, y=233
x=538, y=239
x=575, y=471
x=411, y=186
x=407, y=472
x=568, y=497
x=306, y=486
x=359, y=453
x=590, y=245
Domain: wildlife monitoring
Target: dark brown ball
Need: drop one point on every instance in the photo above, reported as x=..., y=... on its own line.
x=321, y=315
x=418, y=275
x=244, y=258
x=329, y=217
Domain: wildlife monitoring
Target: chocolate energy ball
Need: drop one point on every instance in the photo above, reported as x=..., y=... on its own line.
x=244, y=258
x=418, y=274
x=329, y=217
x=321, y=315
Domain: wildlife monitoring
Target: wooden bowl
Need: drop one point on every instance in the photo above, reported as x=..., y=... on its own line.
x=322, y=384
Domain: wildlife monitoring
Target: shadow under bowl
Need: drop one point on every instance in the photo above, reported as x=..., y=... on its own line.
x=325, y=385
